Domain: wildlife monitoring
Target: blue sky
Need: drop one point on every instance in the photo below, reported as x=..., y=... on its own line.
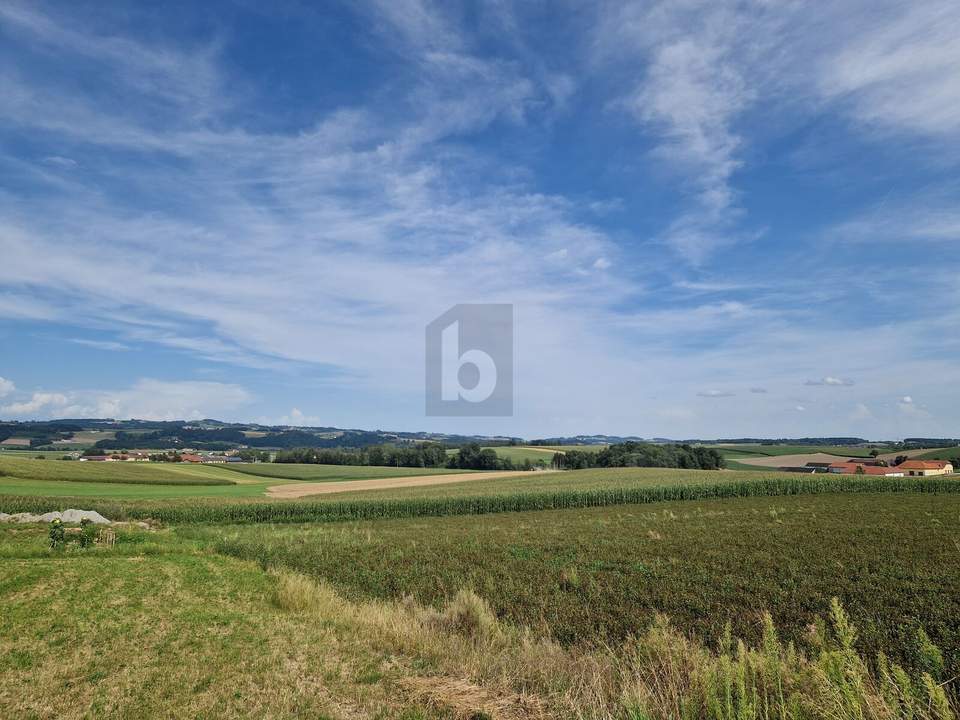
x=714, y=218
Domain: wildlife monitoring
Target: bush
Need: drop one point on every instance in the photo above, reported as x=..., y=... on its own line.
x=57, y=535
x=88, y=534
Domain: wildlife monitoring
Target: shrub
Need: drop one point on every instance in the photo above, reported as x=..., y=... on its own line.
x=57, y=535
x=88, y=534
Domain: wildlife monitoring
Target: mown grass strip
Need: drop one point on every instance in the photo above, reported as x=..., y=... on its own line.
x=294, y=512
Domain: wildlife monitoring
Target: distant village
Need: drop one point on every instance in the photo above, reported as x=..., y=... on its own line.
x=184, y=457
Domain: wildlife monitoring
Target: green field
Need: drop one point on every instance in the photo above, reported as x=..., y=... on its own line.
x=220, y=622
x=332, y=473
x=599, y=574
x=942, y=454
x=22, y=476
x=111, y=472
x=565, y=448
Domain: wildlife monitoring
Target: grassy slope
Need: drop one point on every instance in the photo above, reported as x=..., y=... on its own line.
x=330, y=473
x=111, y=472
x=130, y=481
x=942, y=454
x=601, y=573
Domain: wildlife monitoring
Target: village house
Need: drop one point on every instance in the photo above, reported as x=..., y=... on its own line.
x=925, y=468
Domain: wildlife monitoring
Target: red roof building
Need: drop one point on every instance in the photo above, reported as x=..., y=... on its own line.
x=924, y=468
x=857, y=468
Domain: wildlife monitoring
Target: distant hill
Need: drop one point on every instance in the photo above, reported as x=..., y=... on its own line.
x=209, y=434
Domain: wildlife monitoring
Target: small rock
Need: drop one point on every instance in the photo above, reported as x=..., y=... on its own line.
x=4, y=517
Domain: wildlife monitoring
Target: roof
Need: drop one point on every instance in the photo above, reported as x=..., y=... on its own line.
x=859, y=468
x=923, y=464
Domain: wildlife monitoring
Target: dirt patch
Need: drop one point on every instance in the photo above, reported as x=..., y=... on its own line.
x=775, y=461
x=298, y=490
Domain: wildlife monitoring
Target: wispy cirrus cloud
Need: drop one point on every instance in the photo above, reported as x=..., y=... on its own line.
x=830, y=381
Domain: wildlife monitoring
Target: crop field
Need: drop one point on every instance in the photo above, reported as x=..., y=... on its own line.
x=110, y=472
x=332, y=473
x=600, y=574
x=350, y=606
x=28, y=477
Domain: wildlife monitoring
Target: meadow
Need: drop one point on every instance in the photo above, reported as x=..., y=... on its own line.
x=332, y=473
x=942, y=454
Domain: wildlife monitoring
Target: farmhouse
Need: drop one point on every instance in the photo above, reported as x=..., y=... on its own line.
x=925, y=468
x=864, y=468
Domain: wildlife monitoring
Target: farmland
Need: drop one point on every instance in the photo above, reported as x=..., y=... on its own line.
x=599, y=574
x=29, y=477
x=114, y=472
x=364, y=599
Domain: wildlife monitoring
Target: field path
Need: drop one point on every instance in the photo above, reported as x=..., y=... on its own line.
x=305, y=489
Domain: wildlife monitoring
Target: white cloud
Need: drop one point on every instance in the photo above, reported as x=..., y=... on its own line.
x=60, y=161
x=109, y=345
x=147, y=399
x=906, y=400
x=601, y=264
x=715, y=394
x=758, y=390
x=800, y=408
x=691, y=92
x=40, y=403
x=900, y=68
x=830, y=381
x=6, y=387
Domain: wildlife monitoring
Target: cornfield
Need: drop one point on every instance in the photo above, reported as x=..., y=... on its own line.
x=196, y=511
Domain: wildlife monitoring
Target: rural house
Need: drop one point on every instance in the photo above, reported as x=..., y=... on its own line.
x=925, y=468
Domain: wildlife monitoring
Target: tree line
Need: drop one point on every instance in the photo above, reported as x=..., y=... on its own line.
x=471, y=456
x=635, y=454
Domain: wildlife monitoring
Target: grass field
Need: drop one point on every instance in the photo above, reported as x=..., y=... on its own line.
x=112, y=472
x=942, y=454
x=332, y=473
x=155, y=481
